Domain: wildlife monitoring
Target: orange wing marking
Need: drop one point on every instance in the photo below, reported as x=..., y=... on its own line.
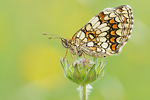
x=112, y=39
x=114, y=26
x=112, y=21
x=113, y=47
x=112, y=33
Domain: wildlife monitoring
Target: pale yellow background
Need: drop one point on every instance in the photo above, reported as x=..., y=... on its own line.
x=29, y=62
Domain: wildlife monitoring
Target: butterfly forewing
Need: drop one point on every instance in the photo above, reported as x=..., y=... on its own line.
x=106, y=33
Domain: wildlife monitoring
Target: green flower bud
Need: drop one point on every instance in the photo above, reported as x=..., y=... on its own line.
x=83, y=72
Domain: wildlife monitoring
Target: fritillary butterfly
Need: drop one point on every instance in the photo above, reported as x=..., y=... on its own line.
x=104, y=35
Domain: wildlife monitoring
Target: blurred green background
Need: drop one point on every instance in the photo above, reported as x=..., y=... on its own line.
x=29, y=62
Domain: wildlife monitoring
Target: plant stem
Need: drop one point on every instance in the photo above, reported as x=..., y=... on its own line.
x=83, y=92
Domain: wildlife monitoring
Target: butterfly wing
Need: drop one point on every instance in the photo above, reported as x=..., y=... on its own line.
x=106, y=33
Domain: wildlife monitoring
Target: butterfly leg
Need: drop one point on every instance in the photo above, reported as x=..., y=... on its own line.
x=86, y=60
x=72, y=58
x=65, y=54
x=71, y=54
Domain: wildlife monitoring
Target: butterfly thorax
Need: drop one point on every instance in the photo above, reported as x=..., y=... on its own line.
x=74, y=48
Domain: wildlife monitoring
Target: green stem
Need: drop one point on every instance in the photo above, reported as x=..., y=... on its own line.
x=83, y=92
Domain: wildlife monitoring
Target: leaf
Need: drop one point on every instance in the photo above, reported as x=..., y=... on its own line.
x=77, y=75
x=91, y=76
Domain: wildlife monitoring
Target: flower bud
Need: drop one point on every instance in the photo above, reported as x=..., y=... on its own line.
x=83, y=71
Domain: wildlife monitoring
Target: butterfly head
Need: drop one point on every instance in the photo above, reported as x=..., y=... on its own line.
x=73, y=49
x=65, y=43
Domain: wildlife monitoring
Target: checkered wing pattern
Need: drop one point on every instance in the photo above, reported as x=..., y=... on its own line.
x=106, y=33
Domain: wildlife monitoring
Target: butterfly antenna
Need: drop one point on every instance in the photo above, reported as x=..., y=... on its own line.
x=53, y=36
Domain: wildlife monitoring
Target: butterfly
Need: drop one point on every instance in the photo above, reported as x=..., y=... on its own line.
x=104, y=35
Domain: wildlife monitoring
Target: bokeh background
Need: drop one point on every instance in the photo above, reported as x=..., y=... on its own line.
x=29, y=62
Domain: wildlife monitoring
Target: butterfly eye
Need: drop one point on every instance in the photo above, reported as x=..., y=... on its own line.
x=64, y=43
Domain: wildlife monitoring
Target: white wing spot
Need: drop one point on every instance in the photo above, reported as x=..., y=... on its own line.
x=119, y=39
x=102, y=25
x=97, y=39
x=119, y=25
x=82, y=35
x=90, y=44
x=98, y=50
x=125, y=11
x=103, y=34
x=91, y=36
x=128, y=20
x=126, y=15
x=85, y=40
x=104, y=45
x=96, y=25
x=77, y=42
x=103, y=50
x=119, y=32
x=78, y=34
x=117, y=19
x=123, y=8
x=106, y=12
x=88, y=27
x=126, y=25
x=94, y=20
x=102, y=39
x=112, y=14
x=106, y=18
x=105, y=29
x=98, y=31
